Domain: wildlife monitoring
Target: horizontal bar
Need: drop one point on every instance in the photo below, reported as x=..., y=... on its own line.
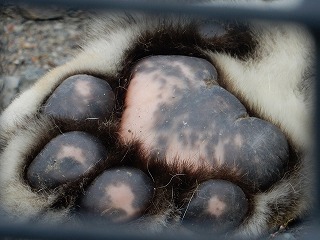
x=306, y=13
x=52, y=232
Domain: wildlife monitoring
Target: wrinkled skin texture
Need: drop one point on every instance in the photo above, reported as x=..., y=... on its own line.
x=166, y=122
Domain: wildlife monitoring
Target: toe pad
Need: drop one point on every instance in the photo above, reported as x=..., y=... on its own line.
x=216, y=206
x=80, y=97
x=119, y=195
x=65, y=158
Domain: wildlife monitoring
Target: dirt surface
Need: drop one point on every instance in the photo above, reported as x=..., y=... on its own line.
x=34, y=41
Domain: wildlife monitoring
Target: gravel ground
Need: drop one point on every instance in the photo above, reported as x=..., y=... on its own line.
x=34, y=41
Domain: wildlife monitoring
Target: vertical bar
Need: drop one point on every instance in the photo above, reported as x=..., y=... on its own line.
x=316, y=150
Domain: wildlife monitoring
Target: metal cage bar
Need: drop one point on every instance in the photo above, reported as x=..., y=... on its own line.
x=307, y=13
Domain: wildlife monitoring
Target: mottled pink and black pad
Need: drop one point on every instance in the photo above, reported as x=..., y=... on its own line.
x=64, y=159
x=119, y=195
x=176, y=108
x=80, y=97
x=216, y=206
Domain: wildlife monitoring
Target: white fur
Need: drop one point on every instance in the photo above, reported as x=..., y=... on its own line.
x=271, y=84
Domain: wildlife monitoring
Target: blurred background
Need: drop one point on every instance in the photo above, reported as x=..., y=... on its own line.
x=33, y=41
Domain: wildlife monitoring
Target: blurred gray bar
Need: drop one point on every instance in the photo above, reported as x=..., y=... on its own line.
x=307, y=13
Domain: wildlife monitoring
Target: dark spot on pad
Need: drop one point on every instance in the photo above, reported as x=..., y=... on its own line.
x=80, y=97
x=64, y=159
x=217, y=206
x=119, y=195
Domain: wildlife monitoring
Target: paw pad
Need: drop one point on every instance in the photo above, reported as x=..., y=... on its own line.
x=176, y=121
x=216, y=206
x=80, y=97
x=65, y=158
x=119, y=195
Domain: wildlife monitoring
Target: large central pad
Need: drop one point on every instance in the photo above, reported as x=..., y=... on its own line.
x=176, y=108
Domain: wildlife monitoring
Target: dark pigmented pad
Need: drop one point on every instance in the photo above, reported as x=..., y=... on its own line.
x=81, y=97
x=175, y=107
x=64, y=159
x=119, y=195
x=216, y=123
x=217, y=206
